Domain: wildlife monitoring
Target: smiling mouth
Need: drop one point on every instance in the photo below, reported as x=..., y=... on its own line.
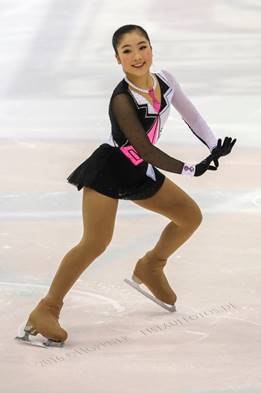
x=135, y=66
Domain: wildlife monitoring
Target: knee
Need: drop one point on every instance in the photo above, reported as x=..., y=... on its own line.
x=196, y=216
x=192, y=216
x=94, y=246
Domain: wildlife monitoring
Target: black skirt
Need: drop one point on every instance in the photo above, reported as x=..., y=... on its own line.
x=108, y=171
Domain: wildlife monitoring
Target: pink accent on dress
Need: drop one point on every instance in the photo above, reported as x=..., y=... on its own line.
x=129, y=151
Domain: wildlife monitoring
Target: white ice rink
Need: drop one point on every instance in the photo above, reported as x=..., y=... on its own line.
x=57, y=73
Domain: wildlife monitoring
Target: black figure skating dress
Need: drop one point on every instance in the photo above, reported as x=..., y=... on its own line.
x=118, y=168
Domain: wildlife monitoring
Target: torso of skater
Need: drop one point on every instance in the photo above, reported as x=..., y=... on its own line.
x=133, y=51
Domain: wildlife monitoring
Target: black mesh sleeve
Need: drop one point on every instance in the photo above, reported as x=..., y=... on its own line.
x=123, y=109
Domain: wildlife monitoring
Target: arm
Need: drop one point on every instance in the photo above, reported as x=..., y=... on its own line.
x=125, y=114
x=190, y=114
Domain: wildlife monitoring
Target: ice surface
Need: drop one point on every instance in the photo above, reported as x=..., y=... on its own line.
x=57, y=72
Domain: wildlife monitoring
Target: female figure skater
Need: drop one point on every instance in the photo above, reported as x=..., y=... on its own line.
x=125, y=167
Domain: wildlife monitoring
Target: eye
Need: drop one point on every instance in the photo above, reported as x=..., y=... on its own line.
x=128, y=51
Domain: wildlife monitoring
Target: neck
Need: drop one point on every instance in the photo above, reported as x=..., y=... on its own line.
x=144, y=81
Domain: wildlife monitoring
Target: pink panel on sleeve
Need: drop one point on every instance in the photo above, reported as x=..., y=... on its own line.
x=131, y=153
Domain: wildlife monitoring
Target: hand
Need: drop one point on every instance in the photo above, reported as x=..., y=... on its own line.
x=216, y=161
x=224, y=150
x=204, y=165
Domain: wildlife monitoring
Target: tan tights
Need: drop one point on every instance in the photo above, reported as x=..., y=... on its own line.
x=99, y=214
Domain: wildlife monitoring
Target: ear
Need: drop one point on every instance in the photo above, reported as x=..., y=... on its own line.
x=118, y=59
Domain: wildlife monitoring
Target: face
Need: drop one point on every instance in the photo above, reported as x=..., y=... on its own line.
x=133, y=49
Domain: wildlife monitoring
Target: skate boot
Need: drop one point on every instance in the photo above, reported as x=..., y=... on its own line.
x=149, y=271
x=44, y=320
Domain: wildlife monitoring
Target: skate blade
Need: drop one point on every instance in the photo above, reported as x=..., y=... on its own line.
x=141, y=290
x=26, y=340
x=43, y=344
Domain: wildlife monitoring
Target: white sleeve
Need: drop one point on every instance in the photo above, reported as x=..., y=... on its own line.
x=190, y=114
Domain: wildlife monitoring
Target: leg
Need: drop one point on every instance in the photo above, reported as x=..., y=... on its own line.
x=185, y=217
x=184, y=213
x=99, y=212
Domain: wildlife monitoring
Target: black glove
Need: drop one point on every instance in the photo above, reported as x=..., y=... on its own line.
x=204, y=165
x=218, y=151
x=224, y=150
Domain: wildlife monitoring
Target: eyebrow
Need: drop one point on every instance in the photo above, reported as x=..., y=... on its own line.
x=142, y=42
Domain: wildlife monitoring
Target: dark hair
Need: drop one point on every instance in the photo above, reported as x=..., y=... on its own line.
x=126, y=29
